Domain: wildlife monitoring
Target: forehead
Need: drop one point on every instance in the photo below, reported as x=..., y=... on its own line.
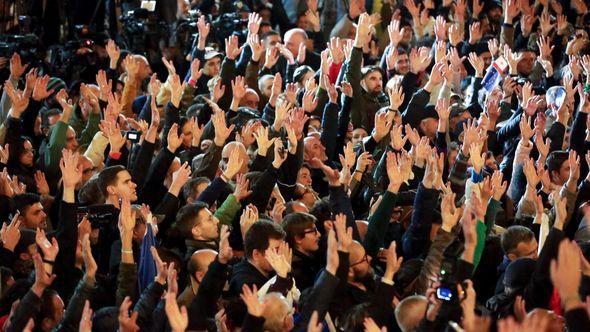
x=213, y=61
x=373, y=75
x=359, y=131
x=123, y=176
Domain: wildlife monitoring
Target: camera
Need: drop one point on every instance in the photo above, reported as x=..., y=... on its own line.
x=99, y=215
x=133, y=136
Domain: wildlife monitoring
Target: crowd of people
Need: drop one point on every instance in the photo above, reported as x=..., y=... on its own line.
x=349, y=166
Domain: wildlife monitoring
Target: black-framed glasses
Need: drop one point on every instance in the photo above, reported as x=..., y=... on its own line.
x=313, y=230
x=364, y=259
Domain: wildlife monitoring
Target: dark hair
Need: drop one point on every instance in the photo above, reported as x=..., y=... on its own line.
x=91, y=193
x=16, y=150
x=294, y=225
x=108, y=177
x=24, y=201
x=259, y=234
x=47, y=306
x=515, y=235
x=321, y=211
x=269, y=33
x=555, y=160
x=190, y=188
x=186, y=218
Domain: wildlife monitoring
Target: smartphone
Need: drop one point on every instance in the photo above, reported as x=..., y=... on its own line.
x=444, y=293
x=133, y=136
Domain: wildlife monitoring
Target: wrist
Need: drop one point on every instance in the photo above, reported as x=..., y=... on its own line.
x=113, y=63
x=276, y=164
x=393, y=187
x=160, y=279
x=38, y=289
x=446, y=227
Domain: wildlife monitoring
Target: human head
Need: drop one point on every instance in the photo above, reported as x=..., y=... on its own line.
x=32, y=214
x=271, y=38
x=357, y=135
x=71, y=141
x=261, y=236
x=313, y=148
x=525, y=65
x=195, y=221
x=23, y=152
x=88, y=169
x=265, y=85
x=402, y=62
x=115, y=182
x=558, y=167
x=304, y=175
x=360, y=263
x=194, y=187
x=250, y=99
x=519, y=241
x=277, y=313
x=51, y=312
x=198, y=265
x=372, y=79
x=212, y=66
x=301, y=231
x=410, y=311
x=232, y=148
x=293, y=38
x=144, y=71
x=555, y=323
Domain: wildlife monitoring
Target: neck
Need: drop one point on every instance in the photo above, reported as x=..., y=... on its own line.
x=258, y=267
x=194, y=285
x=113, y=200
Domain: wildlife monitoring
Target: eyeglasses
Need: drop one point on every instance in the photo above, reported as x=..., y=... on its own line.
x=313, y=230
x=365, y=259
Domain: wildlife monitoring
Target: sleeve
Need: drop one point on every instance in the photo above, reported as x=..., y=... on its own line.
x=227, y=211
x=28, y=308
x=73, y=313
x=204, y=306
x=416, y=238
x=340, y=203
x=378, y=223
x=319, y=299
x=210, y=162
x=147, y=303
x=90, y=130
x=126, y=282
x=95, y=150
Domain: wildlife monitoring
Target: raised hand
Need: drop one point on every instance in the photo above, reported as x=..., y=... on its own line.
x=131, y=67
x=127, y=323
x=43, y=278
x=382, y=126
x=66, y=105
x=565, y=273
x=176, y=90
x=250, y=298
x=204, y=29
x=114, y=53
x=280, y=261
x=222, y=131
x=10, y=233
x=180, y=178
x=256, y=46
x=254, y=21
x=86, y=319
x=225, y=251
x=70, y=172
x=90, y=265
x=310, y=101
x=49, y=249
x=248, y=218
x=363, y=30
x=17, y=69
x=40, y=91
x=280, y=154
x=234, y=166
x=232, y=50
x=344, y=234
x=177, y=318
x=19, y=100
x=393, y=263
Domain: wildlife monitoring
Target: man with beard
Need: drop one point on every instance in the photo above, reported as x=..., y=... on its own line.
x=367, y=82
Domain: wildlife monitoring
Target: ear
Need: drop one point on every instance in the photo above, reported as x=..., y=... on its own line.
x=363, y=84
x=511, y=257
x=288, y=323
x=199, y=276
x=196, y=232
x=111, y=190
x=23, y=256
x=350, y=272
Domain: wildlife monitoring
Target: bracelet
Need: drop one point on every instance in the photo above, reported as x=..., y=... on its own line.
x=48, y=261
x=123, y=251
x=358, y=171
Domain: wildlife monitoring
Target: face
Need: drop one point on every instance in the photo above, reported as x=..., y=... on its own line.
x=58, y=305
x=525, y=66
x=207, y=229
x=144, y=70
x=302, y=22
x=564, y=172
x=124, y=186
x=402, y=65
x=71, y=141
x=308, y=200
x=231, y=149
x=308, y=243
x=373, y=82
x=487, y=58
x=250, y=100
x=188, y=135
x=408, y=33
x=292, y=41
x=526, y=249
x=360, y=263
x=212, y=67
x=304, y=177
x=34, y=217
x=314, y=149
x=87, y=170
x=429, y=127
x=272, y=40
x=266, y=87
x=357, y=136
x=315, y=124
x=495, y=14
x=26, y=158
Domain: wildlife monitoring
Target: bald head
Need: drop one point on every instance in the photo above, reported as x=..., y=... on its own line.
x=410, y=312
x=276, y=313
x=232, y=148
x=294, y=38
x=555, y=323
x=200, y=261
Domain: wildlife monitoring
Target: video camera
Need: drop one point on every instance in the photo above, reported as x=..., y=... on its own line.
x=29, y=47
x=141, y=28
x=99, y=215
